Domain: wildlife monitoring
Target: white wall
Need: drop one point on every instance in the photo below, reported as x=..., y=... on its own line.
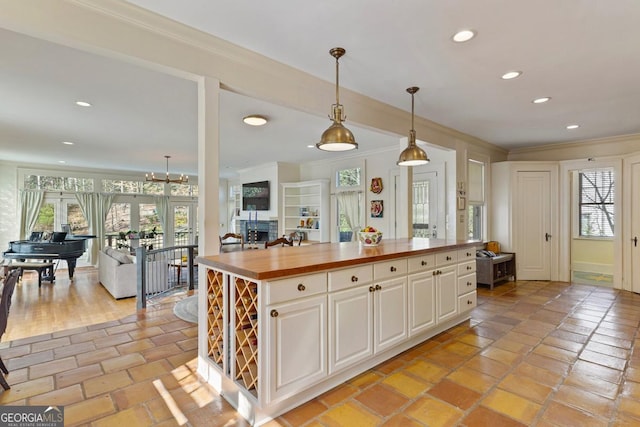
x=9, y=222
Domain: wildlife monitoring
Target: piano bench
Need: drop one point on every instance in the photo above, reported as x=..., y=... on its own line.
x=40, y=267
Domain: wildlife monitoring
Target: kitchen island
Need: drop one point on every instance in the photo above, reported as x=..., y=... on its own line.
x=286, y=324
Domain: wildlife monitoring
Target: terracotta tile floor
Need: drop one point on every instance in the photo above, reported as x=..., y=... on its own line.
x=539, y=354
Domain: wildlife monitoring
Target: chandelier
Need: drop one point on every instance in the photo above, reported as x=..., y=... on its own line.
x=180, y=180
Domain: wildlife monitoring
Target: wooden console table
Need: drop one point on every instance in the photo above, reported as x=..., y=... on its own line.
x=491, y=270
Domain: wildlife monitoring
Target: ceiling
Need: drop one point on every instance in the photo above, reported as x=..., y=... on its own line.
x=581, y=53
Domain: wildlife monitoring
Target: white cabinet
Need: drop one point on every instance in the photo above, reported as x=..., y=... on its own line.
x=305, y=208
x=421, y=301
x=467, y=298
x=447, y=292
x=296, y=334
x=390, y=313
x=446, y=284
x=368, y=318
x=350, y=326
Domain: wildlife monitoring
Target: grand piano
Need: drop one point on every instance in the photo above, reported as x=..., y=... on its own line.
x=58, y=247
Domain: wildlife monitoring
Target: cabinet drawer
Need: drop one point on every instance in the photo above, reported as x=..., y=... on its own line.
x=468, y=301
x=466, y=254
x=466, y=284
x=421, y=263
x=387, y=269
x=467, y=267
x=350, y=277
x=295, y=287
x=444, y=258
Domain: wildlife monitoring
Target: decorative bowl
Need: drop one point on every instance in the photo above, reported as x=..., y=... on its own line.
x=370, y=238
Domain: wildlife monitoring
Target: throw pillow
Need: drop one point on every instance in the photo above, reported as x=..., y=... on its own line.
x=121, y=258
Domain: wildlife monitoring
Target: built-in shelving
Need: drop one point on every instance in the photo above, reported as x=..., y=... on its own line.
x=306, y=209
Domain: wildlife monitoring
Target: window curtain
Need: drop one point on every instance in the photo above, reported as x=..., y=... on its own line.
x=349, y=206
x=95, y=207
x=162, y=207
x=30, y=204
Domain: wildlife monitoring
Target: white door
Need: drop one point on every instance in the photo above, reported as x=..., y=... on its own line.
x=425, y=204
x=390, y=313
x=635, y=227
x=532, y=221
x=297, y=343
x=350, y=327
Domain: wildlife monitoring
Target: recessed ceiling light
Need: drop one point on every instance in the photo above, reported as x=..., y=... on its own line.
x=67, y=142
x=255, y=120
x=83, y=104
x=573, y=127
x=61, y=161
x=541, y=100
x=311, y=146
x=511, y=75
x=463, y=36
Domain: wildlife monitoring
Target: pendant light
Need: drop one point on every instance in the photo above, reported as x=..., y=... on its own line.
x=337, y=137
x=412, y=155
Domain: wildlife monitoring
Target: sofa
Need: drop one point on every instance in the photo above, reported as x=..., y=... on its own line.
x=117, y=272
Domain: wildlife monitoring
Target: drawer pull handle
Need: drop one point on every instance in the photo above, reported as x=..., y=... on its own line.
x=448, y=258
x=468, y=253
x=371, y=289
x=393, y=269
x=469, y=284
x=274, y=313
x=423, y=263
x=301, y=287
x=378, y=287
x=354, y=278
x=469, y=302
x=469, y=267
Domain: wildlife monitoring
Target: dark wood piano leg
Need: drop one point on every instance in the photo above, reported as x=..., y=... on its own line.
x=71, y=264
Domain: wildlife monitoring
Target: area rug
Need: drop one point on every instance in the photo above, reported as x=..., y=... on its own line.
x=187, y=309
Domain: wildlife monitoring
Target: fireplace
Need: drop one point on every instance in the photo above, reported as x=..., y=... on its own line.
x=264, y=230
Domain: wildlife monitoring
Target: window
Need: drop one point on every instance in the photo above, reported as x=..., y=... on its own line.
x=475, y=196
x=596, y=202
x=46, y=218
x=348, y=177
x=57, y=183
x=121, y=186
x=184, y=190
x=76, y=219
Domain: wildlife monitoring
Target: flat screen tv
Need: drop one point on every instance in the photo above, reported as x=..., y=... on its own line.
x=255, y=196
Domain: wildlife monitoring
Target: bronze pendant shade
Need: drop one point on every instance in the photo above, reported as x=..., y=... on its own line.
x=337, y=137
x=412, y=155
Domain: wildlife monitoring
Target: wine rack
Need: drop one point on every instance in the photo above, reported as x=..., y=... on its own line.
x=246, y=333
x=215, y=316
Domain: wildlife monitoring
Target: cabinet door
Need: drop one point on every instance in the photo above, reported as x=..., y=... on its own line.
x=447, y=292
x=390, y=313
x=422, y=302
x=297, y=340
x=350, y=327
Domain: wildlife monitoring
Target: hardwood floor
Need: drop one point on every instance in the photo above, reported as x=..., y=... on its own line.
x=65, y=304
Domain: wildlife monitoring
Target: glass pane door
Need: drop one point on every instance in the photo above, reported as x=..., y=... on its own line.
x=425, y=204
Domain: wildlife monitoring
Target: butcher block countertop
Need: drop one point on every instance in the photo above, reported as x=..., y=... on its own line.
x=276, y=262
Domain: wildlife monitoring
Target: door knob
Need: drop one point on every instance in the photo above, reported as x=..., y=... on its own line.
x=547, y=236
x=635, y=241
